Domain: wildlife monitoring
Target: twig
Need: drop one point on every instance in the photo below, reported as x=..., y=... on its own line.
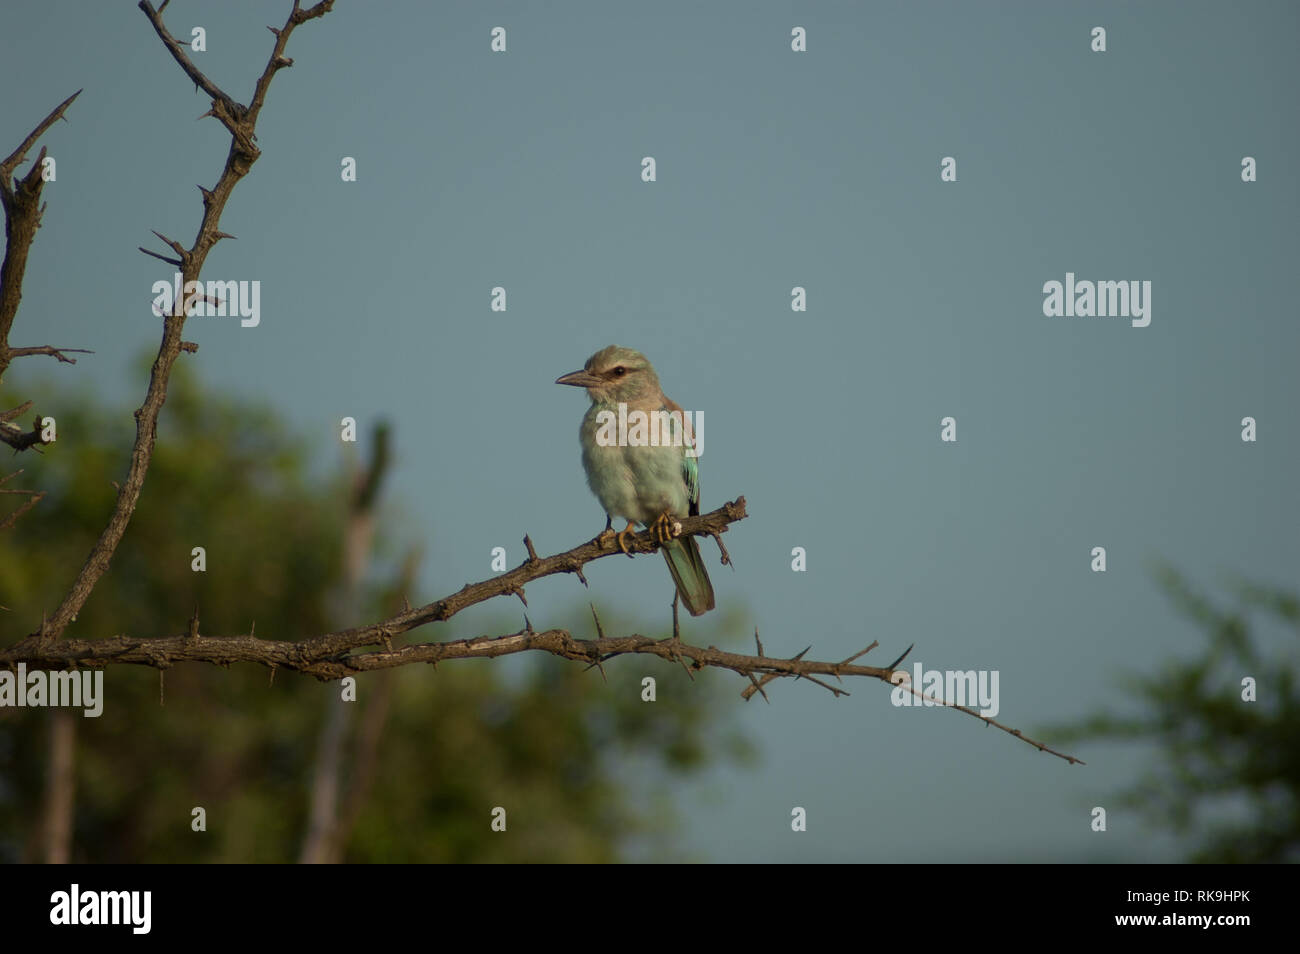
x=36, y=496
x=60, y=353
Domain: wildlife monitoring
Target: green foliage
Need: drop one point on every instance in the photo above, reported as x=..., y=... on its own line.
x=1230, y=774
x=581, y=766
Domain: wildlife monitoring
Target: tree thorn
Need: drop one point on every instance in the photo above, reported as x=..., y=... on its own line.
x=894, y=664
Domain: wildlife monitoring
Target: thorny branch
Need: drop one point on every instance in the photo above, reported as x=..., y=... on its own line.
x=346, y=652
x=23, y=209
x=240, y=121
x=323, y=655
x=21, y=199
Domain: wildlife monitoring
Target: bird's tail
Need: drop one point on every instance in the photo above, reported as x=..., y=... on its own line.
x=687, y=568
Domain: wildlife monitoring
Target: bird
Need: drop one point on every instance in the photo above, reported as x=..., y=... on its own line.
x=637, y=481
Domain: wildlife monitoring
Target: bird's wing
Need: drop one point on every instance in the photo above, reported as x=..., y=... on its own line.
x=690, y=464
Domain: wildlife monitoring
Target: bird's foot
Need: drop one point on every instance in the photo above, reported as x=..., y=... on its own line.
x=605, y=536
x=630, y=528
x=665, y=527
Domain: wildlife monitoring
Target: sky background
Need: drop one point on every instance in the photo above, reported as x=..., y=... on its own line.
x=775, y=169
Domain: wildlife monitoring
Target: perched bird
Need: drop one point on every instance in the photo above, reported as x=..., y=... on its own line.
x=642, y=483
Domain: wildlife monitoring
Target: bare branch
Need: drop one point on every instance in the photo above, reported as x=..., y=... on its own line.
x=36, y=496
x=17, y=438
x=177, y=49
x=335, y=645
x=21, y=199
x=335, y=655
x=987, y=721
x=558, y=642
x=722, y=550
x=60, y=353
x=9, y=415
x=278, y=60
x=15, y=158
x=243, y=153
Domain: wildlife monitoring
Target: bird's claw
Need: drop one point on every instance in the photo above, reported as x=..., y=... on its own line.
x=665, y=528
x=622, y=543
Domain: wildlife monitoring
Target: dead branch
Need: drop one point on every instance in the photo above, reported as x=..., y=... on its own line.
x=344, y=653
x=17, y=438
x=60, y=353
x=240, y=122
x=306, y=655
x=21, y=199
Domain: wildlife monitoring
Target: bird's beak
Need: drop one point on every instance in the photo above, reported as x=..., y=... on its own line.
x=581, y=379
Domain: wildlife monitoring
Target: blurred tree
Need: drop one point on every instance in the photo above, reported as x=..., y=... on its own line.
x=432, y=752
x=1230, y=771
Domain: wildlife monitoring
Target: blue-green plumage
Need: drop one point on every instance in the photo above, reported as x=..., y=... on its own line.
x=642, y=483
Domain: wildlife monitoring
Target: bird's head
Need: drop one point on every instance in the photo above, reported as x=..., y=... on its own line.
x=615, y=374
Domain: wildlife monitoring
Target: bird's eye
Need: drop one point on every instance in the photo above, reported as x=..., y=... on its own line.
x=620, y=371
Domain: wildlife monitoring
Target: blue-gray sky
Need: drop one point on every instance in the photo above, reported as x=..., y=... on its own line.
x=775, y=169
